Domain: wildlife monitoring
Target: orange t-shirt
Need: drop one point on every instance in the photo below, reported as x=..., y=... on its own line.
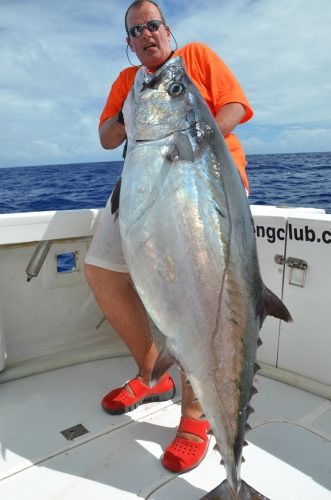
x=212, y=77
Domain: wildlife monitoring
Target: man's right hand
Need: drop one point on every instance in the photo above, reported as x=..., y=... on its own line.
x=112, y=133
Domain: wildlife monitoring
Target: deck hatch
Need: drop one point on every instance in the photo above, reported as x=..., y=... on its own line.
x=74, y=432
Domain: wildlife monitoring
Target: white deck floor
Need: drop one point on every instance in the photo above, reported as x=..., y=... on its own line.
x=289, y=457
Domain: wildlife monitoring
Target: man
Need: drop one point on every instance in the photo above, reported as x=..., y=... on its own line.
x=149, y=37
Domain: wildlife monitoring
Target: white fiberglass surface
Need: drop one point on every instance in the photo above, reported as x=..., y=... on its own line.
x=288, y=456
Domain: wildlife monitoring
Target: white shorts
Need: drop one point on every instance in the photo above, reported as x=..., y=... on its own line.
x=106, y=247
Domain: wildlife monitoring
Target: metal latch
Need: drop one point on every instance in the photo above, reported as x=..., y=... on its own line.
x=297, y=278
x=298, y=269
x=279, y=259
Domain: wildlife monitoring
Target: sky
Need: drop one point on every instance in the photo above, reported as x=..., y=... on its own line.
x=58, y=60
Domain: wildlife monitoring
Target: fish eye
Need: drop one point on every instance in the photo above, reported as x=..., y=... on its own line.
x=175, y=89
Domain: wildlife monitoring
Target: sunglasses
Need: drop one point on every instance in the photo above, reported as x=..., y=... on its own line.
x=152, y=26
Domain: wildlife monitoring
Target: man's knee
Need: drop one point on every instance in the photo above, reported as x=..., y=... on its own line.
x=98, y=277
x=90, y=273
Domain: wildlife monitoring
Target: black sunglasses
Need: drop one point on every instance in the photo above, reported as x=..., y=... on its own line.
x=152, y=26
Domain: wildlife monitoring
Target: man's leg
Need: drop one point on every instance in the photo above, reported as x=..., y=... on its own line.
x=190, y=408
x=123, y=308
x=191, y=442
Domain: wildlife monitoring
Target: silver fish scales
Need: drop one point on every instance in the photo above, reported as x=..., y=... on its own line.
x=189, y=242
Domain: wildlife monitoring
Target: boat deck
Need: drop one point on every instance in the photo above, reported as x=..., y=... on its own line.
x=289, y=456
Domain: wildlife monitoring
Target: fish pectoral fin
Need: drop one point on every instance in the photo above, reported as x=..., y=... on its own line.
x=273, y=306
x=164, y=360
x=182, y=150
x=115, y=197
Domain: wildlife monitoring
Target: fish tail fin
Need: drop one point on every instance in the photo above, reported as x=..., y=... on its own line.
x=273, y=306
x=225, y=492
x=164, y=361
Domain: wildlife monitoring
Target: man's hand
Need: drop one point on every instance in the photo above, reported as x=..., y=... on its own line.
x=112, y=133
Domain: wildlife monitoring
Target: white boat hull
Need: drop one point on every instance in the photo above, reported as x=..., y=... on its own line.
x=62, y=358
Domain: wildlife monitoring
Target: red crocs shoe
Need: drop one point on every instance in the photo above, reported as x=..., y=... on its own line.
x=182, y=454
x=119, y=401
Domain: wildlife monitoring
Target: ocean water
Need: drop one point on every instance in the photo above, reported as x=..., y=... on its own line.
x=302, y=179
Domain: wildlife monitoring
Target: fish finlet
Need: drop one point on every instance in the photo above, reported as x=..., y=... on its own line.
x=250, y=411
x=253, y=390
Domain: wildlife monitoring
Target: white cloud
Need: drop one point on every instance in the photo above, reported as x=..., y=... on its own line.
x=279, y=50
x=306, y=139
x=58, y=60
x=260, y=140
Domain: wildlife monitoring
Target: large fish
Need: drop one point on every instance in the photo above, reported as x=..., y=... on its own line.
x=189, y=242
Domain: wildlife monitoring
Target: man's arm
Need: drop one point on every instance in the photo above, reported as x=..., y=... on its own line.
x=111, y=133
x=229, y=116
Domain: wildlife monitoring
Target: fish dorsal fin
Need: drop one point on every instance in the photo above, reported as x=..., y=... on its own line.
x=182, y=149
x=273, y=306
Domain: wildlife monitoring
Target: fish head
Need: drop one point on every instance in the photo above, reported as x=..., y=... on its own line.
x=164, y=104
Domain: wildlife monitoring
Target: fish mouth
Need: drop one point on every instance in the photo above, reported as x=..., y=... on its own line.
x=179, y=148
x=162, y=136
